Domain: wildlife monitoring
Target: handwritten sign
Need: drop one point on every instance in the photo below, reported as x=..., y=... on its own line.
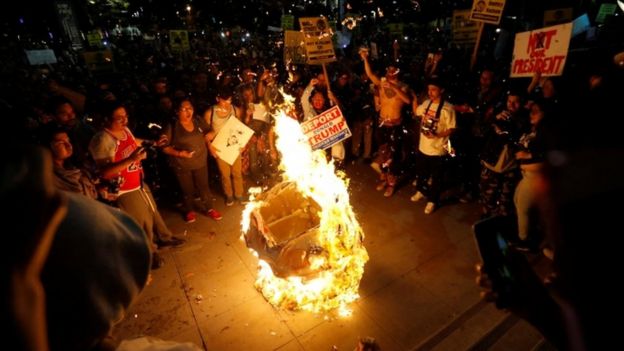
x=464, y=30
x=318, y=40
x=488, y=11
x=557, y=16
x=544, y=49
x=294, y=50
x=179, y=40
x=326, y=129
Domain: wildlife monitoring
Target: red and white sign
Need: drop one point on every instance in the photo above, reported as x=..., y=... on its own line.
x=544, y=49
x=326, y=129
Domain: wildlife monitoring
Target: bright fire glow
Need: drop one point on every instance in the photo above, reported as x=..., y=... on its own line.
x=340, y=234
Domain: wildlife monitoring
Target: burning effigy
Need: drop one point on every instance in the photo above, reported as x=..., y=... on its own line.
x=304, y=231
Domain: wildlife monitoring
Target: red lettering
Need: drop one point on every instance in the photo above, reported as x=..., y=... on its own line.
x=540, y=41
x=334, y=129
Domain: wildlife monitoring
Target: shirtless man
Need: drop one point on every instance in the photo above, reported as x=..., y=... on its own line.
x=393, y=94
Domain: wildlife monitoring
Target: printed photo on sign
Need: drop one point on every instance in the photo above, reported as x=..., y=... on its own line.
x=232, y=137
x=318, y=40
x=487, y=11
x=326, y=129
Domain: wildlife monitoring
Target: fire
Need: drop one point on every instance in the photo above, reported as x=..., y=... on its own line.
x=338, y=262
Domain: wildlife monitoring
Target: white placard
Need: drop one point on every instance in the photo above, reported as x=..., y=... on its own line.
x=326, y=129
x=260, y=113
x=232, y=137
x=543, y=49
x=40, y=57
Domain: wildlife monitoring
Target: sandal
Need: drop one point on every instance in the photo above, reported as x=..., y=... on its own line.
x=389, y=191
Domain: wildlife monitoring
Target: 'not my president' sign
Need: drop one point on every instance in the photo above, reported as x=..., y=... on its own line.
x=543, y=50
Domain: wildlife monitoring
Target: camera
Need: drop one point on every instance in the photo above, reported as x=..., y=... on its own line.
x=428, y=126
x=149, y=145
x=113, y=185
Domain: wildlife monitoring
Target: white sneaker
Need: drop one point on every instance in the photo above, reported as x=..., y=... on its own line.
x=376, y=167
x=429, y=208
x=417, y=197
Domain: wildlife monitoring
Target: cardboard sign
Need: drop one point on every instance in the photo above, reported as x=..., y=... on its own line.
x=179, y=40
x=544, y=49
x=99, y=61
x=294, y=50
x=488, y=11
x=326, y=129
x=557, y=16
x=395, y=28
x=40, y=57
x=464, y=30
x=94, y=38
x=605, y=10
x=232, y=137
x=288, y=22
x=318, y=40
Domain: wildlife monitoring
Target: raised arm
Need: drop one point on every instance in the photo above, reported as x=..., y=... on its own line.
x=305, y=99
x=367, y=68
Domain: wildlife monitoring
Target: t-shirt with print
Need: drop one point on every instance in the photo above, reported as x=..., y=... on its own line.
x=105, y=146
x=427, y=110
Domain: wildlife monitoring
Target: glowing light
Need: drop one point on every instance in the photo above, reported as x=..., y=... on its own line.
x=337, y=265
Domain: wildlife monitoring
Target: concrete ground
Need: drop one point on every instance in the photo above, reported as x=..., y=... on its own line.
x=418, y=283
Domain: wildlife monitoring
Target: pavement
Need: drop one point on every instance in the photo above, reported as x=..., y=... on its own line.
x=419, y=279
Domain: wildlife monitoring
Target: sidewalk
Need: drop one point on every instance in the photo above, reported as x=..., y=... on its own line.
x=420, y=276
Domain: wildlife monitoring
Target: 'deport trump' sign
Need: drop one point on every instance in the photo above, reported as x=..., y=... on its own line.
x=326, y=129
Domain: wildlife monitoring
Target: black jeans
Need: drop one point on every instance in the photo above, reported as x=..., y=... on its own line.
x=429, y=166
x=190, y=181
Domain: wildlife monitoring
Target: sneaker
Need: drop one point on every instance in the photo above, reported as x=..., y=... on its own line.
x=466, y=198
x=190, y=217
x=549, y=253
x=524, y=246
x=157, y=261
x=376, y=166
x=242, y=199
x=429, y=208
x=214, y=214
x=171, y=242
x=229, y=201
x=417, y=197
x=389, y=191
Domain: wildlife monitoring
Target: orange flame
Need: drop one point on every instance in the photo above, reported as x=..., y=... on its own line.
x=339, y=234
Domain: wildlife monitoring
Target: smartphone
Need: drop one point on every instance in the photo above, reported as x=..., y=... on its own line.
x=506, y=267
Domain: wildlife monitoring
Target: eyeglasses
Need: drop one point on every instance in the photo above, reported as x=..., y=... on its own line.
x=62, y=143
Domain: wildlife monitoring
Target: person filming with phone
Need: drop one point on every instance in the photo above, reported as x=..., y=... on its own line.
x=577, y=306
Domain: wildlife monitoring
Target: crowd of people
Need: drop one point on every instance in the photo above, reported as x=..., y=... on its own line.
x=118, y=138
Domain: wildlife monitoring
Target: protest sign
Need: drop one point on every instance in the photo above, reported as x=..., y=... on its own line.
x=487, y=11
x=543, y=50
x=232, y=137
x=318, y=40
x=326, y=129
